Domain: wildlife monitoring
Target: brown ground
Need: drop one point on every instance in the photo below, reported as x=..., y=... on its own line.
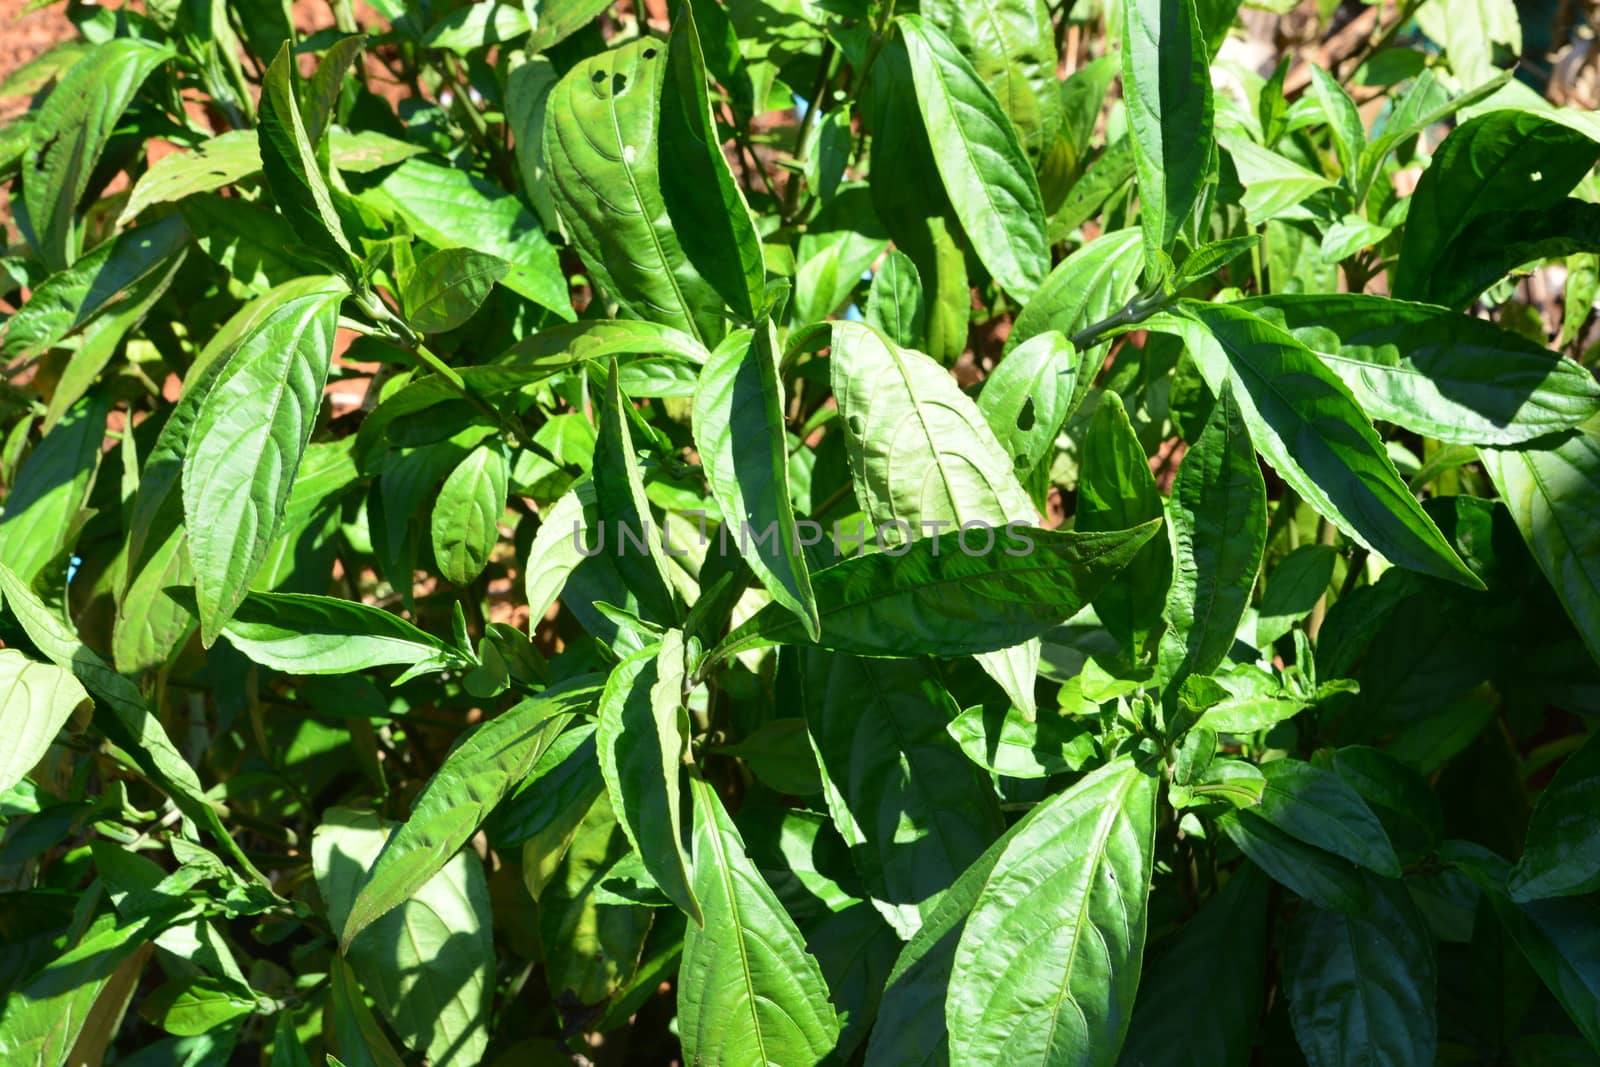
x=26, y=35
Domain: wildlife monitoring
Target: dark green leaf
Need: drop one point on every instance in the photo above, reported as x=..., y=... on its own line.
x=289, y=159
x=1559, y=859
x=448, y=287
x=879, y=730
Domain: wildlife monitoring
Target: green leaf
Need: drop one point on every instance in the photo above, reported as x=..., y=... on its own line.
x=357, y=1035
x=910, y=1031
x=1027, y=398
x=1086, y=287
x=364, y=151
x=429, y=963
x=1116, y=491
x=1361, y=987
x=986, y=175
x=44, y=1017
x=102, y=282
x=1344, y=122
x=127, y=720
x=878, y=728
x=1322, y=878
x=1305, y=423
x=748, y=993
x=601, y=141
x=935, y=598
x=738, y=408
x=1006, y=742
x=1219, y=529
x=1011, y=46
x=69, y=133
x=1557, y=859
x=717, y=232
x=44, y=507
x=447, y=288
x=1424, y=104
x=560, y=19
x=1274, y=187
x=1049, y=958
x=192, y=1006
x=295, y=175
x=36, y=699
x=466, y=516
x=249, y=435
x=302, y=634
x=468, y=29
x=251, y=242
x=450, y=208
x=620, y=502
x=1296, y=584
x=914, y=210
x=1552, y=497
x=1166, y=80
x=1105, y=178
x=1320, y=808
x=220, y=161
x=641, y=737
x=896, y=306
x=1500, y=242
x=481, y=770
x=1447, y=376
x=1499, y=160
x=1215, y=973
x=1560, y=937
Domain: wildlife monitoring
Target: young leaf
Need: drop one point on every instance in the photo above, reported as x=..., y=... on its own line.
x=878, y=729
x=1361, y=987
x=602, y=142
x=447, y=288
x=248, y=437
x=1166, y=79
x=738, y=408
x=1116, y=491
x=466, y=516
x=717, y=232
x=748, y=991
x=1031, y=983
x=1344, y=121
x=1219, y=529
x=289, y=160
x=36, y=699
x=428, y=963
x=641, y=738
x=68, y=135
x=455, y=801
x=929, y=599
x=1445, y=375
x=1305, y=423
x=985, y=172
x=1558, y=859
x=301, y=634
x=1551, y=494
